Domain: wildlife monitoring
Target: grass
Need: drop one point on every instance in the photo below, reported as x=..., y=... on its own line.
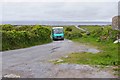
x=108, y=56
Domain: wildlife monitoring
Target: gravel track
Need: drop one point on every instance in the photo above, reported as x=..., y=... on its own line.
x=34, y=62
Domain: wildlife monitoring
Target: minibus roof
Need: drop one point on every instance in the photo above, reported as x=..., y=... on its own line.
x=56, y=27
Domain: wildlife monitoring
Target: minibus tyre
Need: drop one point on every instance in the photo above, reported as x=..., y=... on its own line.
x=54, y=39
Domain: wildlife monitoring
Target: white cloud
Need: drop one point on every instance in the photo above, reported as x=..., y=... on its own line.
x=60, y=0
x=0, y=13
x=60, y=11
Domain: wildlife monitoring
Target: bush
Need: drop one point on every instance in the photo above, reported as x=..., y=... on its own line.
x=101, y=34
x=7, y=27
x=70, y=35
x=105, y=34
x=14, y=39
x=23, y=28
x=68, y=29
x=42, y=32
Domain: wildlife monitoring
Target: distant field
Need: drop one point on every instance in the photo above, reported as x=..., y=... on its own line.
x=92, y=28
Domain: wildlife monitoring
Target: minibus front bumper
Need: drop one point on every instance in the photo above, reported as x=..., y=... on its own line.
x=58, y=37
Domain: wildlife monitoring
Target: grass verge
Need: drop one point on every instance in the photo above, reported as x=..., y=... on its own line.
x=102, y=38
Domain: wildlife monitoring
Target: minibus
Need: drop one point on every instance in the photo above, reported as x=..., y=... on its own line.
x=57, y=33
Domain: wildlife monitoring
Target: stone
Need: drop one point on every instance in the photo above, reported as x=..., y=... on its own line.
x=116, y=23
x=66, y=56
x=12, y=76
x=60, y=60
x=116, y=41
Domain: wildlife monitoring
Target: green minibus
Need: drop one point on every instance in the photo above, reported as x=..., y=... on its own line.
x=57, y=33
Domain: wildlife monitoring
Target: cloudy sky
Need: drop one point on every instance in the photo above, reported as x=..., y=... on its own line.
x=73, y=10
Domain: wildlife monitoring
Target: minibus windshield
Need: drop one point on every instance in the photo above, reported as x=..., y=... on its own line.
x=58, y=31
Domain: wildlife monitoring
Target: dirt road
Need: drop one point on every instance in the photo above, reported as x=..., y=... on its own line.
x=34, y=62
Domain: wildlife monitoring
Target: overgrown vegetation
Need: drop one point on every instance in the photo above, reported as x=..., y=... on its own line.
x=102, y=38
x=105, y=33
x=23, y=36
x=72, y=32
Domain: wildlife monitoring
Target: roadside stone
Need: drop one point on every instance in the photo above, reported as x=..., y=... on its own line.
x=116, y=41
x=60, y=60
x=11, y=76
x=66, y=57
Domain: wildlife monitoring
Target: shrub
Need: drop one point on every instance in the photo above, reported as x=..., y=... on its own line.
x=42, y=32
x=24, y=28
x=70, y=35
x=13, y=39
x=105, y=34
x=7, y=27
x=68, y=29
